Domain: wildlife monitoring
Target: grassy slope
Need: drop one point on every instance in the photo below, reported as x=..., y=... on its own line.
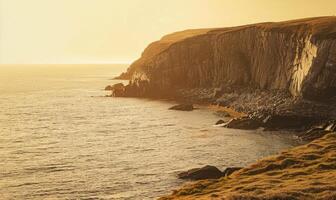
x=304, y=172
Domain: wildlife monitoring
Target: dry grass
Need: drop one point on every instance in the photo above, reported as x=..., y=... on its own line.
x=304, y=172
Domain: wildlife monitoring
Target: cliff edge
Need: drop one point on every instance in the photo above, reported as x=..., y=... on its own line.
x=296, y=58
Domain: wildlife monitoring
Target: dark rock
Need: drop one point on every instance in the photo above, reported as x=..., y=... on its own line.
x=245, y=123
x=116, y=86
x=183, y=107
x=297, y=122
x=207, y=172
x=118, y=90
x=220, y=122
x=313, y=134
x=319, y=131
x=228, y=171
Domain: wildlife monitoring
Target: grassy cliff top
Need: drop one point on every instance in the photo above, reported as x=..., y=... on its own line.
x=305, y=172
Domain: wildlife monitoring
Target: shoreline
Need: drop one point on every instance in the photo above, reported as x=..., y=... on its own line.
x=204, y=189
x=252, y=109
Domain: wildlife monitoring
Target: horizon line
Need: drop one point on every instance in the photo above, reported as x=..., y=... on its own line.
x=112, y=63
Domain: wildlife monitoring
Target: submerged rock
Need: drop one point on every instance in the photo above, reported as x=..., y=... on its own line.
x=183, y=107
x=207, y=172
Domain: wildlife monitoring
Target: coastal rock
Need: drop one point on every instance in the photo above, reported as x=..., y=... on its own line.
x=183, y=107
x=230, y=170
x=117, y=90
x=296, y=122
x=219, y=122
x=245, y=123
x=207, y=172
x=319, y=131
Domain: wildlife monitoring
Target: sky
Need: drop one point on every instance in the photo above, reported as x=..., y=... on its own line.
x=117, y=31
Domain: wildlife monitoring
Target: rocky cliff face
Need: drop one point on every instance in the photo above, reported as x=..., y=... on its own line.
x=296, y=56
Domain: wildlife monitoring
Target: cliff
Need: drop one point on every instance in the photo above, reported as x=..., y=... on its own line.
x=296, y=56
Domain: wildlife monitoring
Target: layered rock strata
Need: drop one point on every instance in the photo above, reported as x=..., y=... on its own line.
x=298, y=57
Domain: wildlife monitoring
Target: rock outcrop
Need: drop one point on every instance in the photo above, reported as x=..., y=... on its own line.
x=295, y=56
x=117, y=89
x=207, y=172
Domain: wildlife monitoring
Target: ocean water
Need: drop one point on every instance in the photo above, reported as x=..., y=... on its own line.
x=60, y=138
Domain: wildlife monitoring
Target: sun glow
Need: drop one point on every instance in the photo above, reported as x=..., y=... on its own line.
x=105, y=31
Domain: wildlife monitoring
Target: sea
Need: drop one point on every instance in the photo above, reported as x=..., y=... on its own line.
x=62, y=138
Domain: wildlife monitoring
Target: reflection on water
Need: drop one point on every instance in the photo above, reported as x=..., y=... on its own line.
x=59, y=139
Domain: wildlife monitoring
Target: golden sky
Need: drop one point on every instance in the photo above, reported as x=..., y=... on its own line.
x=110, y=31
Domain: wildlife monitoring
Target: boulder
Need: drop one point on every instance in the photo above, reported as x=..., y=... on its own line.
x=228, y=171
x=207, y=172
x=245, y=123
x=183, y=107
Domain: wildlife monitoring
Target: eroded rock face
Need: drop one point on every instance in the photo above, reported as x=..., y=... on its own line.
x=295, y=56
